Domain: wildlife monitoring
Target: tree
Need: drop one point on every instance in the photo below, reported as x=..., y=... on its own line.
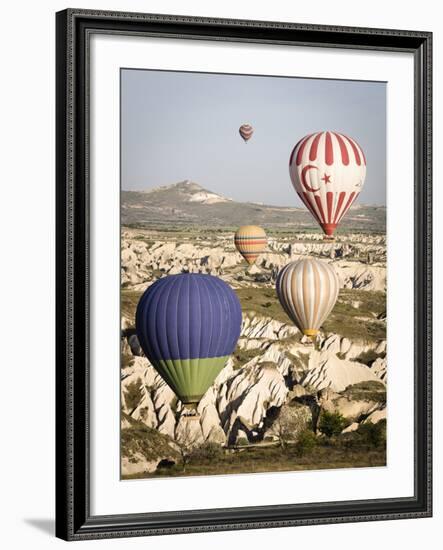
x=187, y=437
x=289, y=423
x=373, y=434
x=331, y=423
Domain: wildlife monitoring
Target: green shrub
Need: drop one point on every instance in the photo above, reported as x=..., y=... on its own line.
x=207, y=451
x=331, y=423
x=306, y=442
x=373, y=434
x=366, y=436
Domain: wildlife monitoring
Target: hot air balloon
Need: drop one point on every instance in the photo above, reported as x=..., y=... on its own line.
x=246, y=131
x=307, y=290
x=188, y=325
x=328, y=171
x=250, y=241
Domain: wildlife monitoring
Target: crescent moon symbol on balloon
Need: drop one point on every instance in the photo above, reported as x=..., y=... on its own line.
x=303, y=178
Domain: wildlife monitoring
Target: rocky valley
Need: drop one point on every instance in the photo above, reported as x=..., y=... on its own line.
x=277, y=383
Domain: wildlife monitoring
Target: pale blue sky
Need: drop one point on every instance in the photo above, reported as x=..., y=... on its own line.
x=178, y=126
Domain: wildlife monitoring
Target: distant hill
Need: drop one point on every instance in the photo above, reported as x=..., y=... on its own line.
x=187, y=203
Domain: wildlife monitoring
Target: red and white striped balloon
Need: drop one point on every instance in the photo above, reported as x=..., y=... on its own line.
x=246, y=131
x=328, y=171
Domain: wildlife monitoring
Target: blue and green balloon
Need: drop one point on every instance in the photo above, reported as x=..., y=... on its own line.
x=188, y=325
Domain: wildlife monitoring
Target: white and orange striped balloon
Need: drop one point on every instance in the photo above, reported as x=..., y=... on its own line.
x=250, y=241
x=308, y=290
x=328, y=171
x=246, y=131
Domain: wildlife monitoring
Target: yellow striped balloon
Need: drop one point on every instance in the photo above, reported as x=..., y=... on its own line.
x=308, y=290
x=250, y=241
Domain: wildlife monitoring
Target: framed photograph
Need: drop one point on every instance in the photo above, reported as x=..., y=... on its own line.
x=243, y=274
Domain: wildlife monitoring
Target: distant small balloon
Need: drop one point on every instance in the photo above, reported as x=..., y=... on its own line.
x=250, y=241
x=246, y=131
x=308, y=290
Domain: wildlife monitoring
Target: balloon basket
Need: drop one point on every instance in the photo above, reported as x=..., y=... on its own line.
x=329, y=239
x=309, y=337
x=190, y=410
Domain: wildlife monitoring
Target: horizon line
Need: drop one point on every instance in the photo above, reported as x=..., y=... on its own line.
x=237, y=201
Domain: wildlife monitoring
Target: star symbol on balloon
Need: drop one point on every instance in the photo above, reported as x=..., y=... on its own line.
x=326, y=178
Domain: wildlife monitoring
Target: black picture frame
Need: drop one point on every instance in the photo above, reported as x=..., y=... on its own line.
x=73, y=518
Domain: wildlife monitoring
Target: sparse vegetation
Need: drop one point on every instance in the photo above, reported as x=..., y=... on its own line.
x=207, y=451
x=262, y=301
x=368, y=357
x=159, y=209
x=138, y=440
x=133, y=395
x=358, y=315
x=354, y=323
x=358, y=323
x=370, y=390
x=301, y=360
x=312, y=454
x=243, y=356
x=143, y=239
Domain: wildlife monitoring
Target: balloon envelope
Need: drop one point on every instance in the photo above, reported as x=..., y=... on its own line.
x=188, y=325
x=250, y=241
x=307, y=290
x=328, y=171
x=246, y=131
